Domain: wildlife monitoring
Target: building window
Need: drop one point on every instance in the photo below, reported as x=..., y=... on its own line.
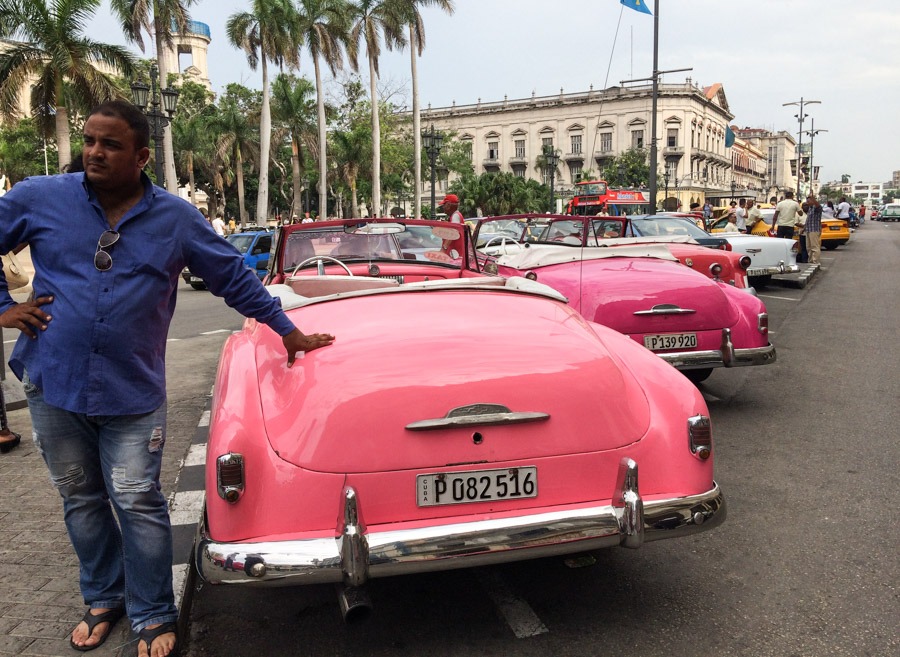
x=672, y=138
x=547, y=141
x=605, y=142
x=467, y=148
x=576, y=144
x=519, y=171
x=637, y=138
x=520, y=148
x=575, y=171
x=493, y=150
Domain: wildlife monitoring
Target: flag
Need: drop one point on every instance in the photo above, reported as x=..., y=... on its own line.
x=637, y=5
x=729, y=137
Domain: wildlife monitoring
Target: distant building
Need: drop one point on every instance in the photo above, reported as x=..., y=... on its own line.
x=780, y=152
x=588, y=129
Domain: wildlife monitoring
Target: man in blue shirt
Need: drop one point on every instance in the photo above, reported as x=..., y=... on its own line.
x=108, y=248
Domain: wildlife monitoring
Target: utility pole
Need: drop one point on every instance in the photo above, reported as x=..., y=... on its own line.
x=812, y=132
x=800, y=118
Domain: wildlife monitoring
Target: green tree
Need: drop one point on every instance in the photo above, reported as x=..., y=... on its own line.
x=49, y=46
x=162, y=19
x=352, y=147
x=237, y=140
x=417, y=41
x=22, y=151
x=628, y=169
x=374, y=20
x=293, y=108
x=499, y=193
x=322, y=27
x=264, y=34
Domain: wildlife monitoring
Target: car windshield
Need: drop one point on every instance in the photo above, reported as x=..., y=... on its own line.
x=591, y=188
x=548, y=230
x=241, y=242
x=656, y=226
x=406, y=243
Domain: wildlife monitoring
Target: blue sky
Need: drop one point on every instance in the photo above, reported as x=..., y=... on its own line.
x=764, y=52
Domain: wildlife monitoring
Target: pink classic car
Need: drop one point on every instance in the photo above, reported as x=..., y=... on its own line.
x=405, y=447
x=641, y=289
x=714, y=258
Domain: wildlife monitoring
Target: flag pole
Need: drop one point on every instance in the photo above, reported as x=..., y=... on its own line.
x=653, y=145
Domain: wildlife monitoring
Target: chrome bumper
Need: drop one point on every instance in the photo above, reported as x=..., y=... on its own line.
x=725, y=356
x=780, y=268
x=356, y=555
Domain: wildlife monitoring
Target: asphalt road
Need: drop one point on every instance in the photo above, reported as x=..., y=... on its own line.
x=805, y=565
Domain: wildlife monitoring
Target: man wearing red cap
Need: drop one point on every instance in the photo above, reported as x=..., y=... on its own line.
x=450, y=204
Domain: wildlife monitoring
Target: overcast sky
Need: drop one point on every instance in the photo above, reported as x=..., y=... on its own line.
x=764, y=52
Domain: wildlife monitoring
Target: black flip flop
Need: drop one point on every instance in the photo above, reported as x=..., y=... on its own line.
x=147, y=636
x=112, y=617
x=7, y=445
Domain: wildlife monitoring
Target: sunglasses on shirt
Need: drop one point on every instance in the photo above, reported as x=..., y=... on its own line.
x=102, y=259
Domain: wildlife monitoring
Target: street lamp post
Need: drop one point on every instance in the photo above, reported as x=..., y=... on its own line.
x=800, y=118
x=666, y=181
x=733, y=188
x=552, y=159
x=812, y=132
x=432, y=142
x=168, y=98
x=306, y=201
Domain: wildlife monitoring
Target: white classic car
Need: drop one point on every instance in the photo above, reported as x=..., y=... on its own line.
x=768, y=255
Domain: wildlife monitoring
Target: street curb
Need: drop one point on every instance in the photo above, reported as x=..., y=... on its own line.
x=186, y=504
x=800, y=280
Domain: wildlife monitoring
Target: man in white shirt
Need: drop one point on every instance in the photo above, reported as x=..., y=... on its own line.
x=219, y=226
x=843, y=209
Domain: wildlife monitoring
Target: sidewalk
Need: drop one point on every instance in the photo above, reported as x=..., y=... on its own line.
x=801, y=279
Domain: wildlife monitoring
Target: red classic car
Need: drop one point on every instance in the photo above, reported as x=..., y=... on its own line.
x=406, y=447
x=502, y=234
x=691, y=321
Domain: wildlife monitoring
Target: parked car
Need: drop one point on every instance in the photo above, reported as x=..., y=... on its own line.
x=506, y=234
x=891, y=212
x=254, y=245
x=687, y=319
x=404, y=447
x=769, y=256
x=835, y=232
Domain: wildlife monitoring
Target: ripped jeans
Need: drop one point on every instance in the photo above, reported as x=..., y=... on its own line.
x=101, y=464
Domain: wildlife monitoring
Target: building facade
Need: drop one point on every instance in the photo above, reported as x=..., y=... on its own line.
x=780, y=153
x=589, y=129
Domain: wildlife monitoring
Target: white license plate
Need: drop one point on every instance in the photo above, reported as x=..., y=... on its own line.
x=196, y=279
x=438, y=489
x=670, y=341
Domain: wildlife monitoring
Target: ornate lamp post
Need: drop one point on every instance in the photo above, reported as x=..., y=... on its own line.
x=733, y=188
x=432, y=142
x=552, y=159
x=800, y=117
x=666, y=182
x=158, y=121
x=306, y=194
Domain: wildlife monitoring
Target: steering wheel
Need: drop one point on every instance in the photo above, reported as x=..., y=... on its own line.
x=503, y=240
x=320, y=259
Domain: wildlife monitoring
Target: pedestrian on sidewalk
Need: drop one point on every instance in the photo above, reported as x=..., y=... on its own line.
x=787, y=216
x=813, y=229
x=108, y=247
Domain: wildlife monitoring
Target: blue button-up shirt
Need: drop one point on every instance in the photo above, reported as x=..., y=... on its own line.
x=103, y=353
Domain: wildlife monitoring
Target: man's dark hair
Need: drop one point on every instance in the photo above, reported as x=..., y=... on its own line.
x=75, y=165
x=131, y=115
x=788, y=194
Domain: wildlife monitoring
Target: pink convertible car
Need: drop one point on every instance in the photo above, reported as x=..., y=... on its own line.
x=694, y=321
x=407, y=446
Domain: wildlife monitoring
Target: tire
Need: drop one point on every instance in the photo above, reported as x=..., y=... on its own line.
x=697, y=376
x=198, y=286
x=830, y=247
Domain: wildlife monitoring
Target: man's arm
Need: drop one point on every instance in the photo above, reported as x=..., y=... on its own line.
x=27, y=316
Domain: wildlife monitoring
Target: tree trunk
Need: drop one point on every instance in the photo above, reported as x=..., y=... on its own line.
x=376, y=142
x=192, y=189
x=239, y=161
x=265, y=138
x=417, y=129
x=297, y=203
x=63, y=143
x=323, y=171
x=353, y=199
x=168, y=149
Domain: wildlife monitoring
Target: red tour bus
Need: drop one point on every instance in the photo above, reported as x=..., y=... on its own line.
x=594, y=197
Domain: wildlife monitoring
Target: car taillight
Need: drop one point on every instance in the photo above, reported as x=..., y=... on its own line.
x=230, y=477
x=762, y=323
x=700, y=436
x=795, y=247
x=531, y=276
x=745, y=262
x=715, y=269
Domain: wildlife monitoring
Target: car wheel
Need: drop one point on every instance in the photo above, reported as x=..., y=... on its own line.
x=198, y=286
x=831, y=247
x=697, y=376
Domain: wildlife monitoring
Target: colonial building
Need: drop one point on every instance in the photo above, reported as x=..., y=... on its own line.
x=588, y=129
x=779, y=151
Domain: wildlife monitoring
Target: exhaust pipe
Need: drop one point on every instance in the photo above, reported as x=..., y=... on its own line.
x=355, y=604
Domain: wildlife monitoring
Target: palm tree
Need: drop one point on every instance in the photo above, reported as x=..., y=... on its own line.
x=192, y=141
x=417, y=41
x=264, y=35
x=162, y=19
x=351, y=154
x=237, y=138
x=321, y=26
x=372, y=21
x=292, y=108
x=51, y=51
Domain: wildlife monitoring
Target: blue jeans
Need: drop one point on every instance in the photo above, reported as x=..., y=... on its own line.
x=98, y=460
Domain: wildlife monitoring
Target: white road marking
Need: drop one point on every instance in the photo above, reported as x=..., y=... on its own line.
x=196, y=455
x=772, y=296
x=217, y=331
x=519, y=616
x=187, y=507
x=204, y=419
x=710, y=398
